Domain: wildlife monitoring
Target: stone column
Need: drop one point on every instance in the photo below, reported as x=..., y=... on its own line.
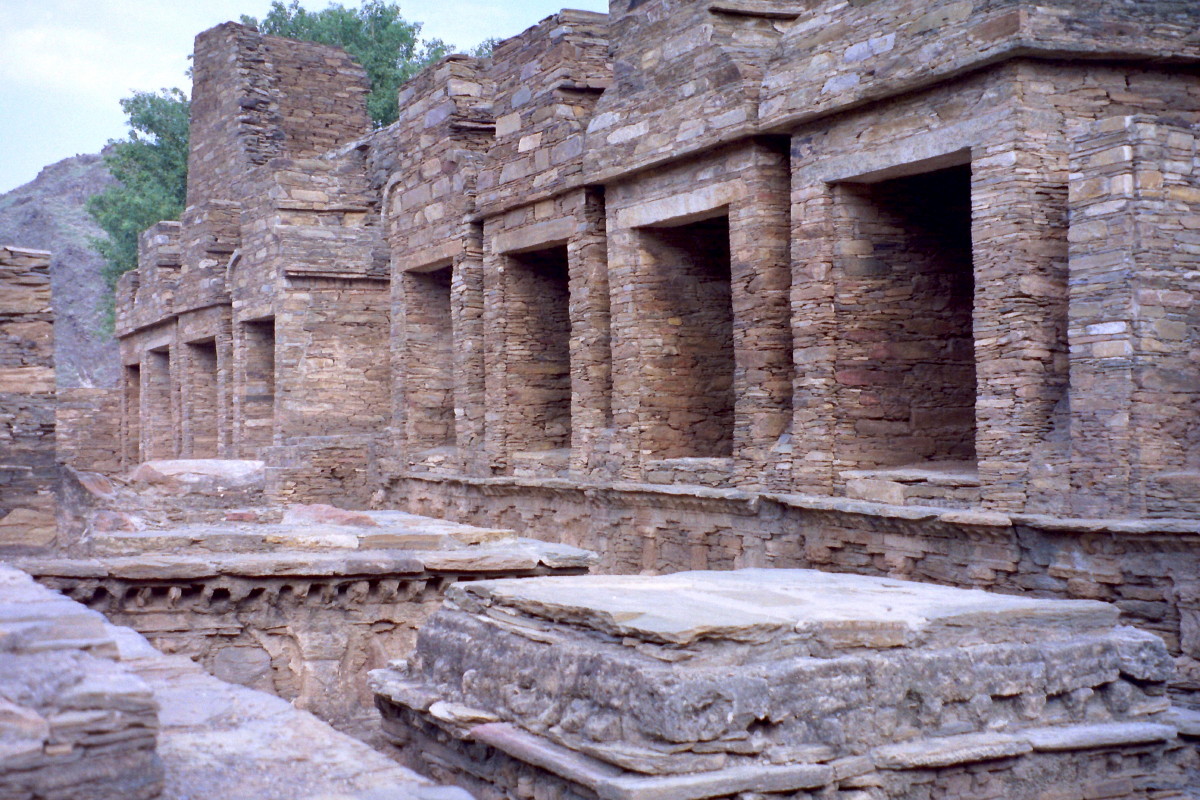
x=814, y=342
x=761, y=281
x=1134, y=320
x=591, y=343
x=467, y=311
x=1018, y=220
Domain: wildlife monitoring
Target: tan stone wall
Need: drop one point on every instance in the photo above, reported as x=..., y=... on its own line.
x=27, y=402
x=1134, y=323
x=1146, y=568
x=88, y=429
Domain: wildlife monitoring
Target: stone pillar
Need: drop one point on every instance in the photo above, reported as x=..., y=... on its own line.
x=467, y=310
x=761, y=281
x=1019, y=247
x=591, y=342
x=814, y=342
x=1134, y=319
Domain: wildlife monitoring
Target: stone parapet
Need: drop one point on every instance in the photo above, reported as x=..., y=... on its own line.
x=701, y=685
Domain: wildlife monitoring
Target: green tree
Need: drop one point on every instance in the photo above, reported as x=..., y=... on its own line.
x=151, y=169
x=386, y=45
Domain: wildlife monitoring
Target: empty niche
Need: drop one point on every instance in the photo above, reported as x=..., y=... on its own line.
x=258, y=390
x=202, y=398
x=133, y=413
x=687, y=332
x=158, y=420
x=429, y=351
x=905, y=307
x=538, y=306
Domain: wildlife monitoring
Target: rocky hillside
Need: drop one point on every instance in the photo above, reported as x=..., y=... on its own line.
x=48, y=214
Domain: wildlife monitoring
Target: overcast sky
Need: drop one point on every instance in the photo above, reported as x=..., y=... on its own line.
x=65, y=64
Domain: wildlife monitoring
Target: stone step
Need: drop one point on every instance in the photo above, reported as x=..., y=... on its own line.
x=940, y=484
x=304, y=528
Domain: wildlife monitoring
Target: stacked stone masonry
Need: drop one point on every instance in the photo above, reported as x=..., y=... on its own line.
x=27, y=401
x=894, y=287
x=92, y=712
x=784, y=683
x=76, y=723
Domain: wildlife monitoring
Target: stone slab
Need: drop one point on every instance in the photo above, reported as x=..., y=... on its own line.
x=749, y=605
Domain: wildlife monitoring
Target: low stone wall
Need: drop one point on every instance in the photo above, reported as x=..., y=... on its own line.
x=301, y=610
x=74, y=723
x=1147, y=569
x=784, y=683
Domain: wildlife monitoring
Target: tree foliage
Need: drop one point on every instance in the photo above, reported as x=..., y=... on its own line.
x=386, y=45
x=151, y=169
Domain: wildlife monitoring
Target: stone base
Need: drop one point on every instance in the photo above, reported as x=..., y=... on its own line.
x=702, y=685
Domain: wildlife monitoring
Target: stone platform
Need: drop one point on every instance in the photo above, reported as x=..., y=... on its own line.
x=299, y=601
x=699, y=685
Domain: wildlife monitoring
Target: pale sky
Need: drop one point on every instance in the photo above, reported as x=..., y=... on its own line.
x=65, y=64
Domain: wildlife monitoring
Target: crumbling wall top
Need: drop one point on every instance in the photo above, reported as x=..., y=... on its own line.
x=256, y=97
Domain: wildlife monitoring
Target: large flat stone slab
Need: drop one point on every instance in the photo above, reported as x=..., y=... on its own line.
x=824, y=610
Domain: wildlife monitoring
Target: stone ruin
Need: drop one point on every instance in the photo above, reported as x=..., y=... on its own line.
x=788, y=683
x=904, y=290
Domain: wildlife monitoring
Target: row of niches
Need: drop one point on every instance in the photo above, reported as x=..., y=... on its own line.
x=906, y=373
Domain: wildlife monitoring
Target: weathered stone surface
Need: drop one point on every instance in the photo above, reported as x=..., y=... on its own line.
x=195, y=474
x=301, y=606
x=707, y=684
x=73, y=722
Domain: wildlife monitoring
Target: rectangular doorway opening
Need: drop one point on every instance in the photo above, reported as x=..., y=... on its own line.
x=133, y=414
x=159, y=419
x=906, y=302
x=258, y=390
x=688, y=350
x=429, y=350
x=202, y=399
x=538, y=305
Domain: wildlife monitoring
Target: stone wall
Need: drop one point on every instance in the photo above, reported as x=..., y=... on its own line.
x=27, y=401
x=894, y=259
x=1146, y=568
x=78, y=724
x=87, y=429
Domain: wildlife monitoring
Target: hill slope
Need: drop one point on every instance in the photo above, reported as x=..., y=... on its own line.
x=48, y=214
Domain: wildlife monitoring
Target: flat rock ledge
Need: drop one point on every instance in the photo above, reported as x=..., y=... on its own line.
x=713, y=684
x=90, y=711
